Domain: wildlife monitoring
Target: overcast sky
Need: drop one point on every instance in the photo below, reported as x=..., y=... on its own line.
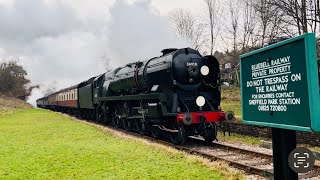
x=63, y=42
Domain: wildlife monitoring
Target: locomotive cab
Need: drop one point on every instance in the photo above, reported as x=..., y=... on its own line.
x=98, y=88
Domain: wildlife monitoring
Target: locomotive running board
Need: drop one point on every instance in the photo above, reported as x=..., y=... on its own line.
x=161, y=96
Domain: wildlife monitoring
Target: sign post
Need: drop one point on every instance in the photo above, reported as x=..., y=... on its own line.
x=283, y=142
x=280, y=89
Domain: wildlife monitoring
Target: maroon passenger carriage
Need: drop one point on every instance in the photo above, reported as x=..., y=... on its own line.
x=65, y=100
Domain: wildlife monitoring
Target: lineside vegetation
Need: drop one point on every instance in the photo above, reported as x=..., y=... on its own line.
x=230, y=100
x=10, y=105
x=12, y=79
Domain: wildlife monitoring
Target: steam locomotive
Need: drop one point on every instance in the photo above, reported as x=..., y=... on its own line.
x=176, y=94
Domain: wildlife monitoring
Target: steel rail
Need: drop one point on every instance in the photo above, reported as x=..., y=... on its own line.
x=254, y=153
x=232, y=148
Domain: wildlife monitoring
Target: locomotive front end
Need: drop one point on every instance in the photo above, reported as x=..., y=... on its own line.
x=197, y=84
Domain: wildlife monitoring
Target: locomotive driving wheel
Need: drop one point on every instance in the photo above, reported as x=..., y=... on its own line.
x=97, y=115
x=210, y=132
x=179, y=137
x=135, y=125
x=127, y=124
x=116, y=122
x=140, y=127
x=155, y=132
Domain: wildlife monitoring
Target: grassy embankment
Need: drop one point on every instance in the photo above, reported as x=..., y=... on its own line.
x=40, y=144
x=230, y=101
x=9, y=106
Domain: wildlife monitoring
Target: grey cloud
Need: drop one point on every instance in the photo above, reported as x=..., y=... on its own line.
x=59, y=48
x=136, y=32
x=56, y=46
x=31, y=19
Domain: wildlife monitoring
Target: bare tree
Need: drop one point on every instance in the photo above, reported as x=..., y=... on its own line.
x=234, y=20
x=317, y=13
x=233, y=29
x=12, y=79
x=264, y=11
x=304, y=13
x=188, y=27
x=313, y=12
x=270, y=21
x=212, y=10
x=249, y=21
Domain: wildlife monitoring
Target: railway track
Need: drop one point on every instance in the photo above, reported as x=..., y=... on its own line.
x=250, y=161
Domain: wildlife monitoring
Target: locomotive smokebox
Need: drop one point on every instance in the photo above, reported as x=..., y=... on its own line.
x=187, y=64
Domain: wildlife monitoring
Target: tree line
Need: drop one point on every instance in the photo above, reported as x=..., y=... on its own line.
x=241, y=26
x=13, y=79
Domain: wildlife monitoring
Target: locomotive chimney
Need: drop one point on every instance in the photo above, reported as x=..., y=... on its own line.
x=168, y=50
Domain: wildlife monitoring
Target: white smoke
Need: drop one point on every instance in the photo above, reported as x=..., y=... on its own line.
x=61, y=43
x=138, y=32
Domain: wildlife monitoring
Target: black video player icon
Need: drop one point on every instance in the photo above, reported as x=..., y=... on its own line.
x=301, y=160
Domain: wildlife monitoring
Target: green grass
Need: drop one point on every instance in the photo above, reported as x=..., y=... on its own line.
x=230, y=100
x=312, y=148
x=38, y=144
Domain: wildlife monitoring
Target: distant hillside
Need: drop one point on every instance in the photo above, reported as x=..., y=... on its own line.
x=9, y=105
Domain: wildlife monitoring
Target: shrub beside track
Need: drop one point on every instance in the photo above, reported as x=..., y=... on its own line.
x=11, y=105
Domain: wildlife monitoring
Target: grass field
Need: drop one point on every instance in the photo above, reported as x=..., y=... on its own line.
x=38, y=144
x=230, y=100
